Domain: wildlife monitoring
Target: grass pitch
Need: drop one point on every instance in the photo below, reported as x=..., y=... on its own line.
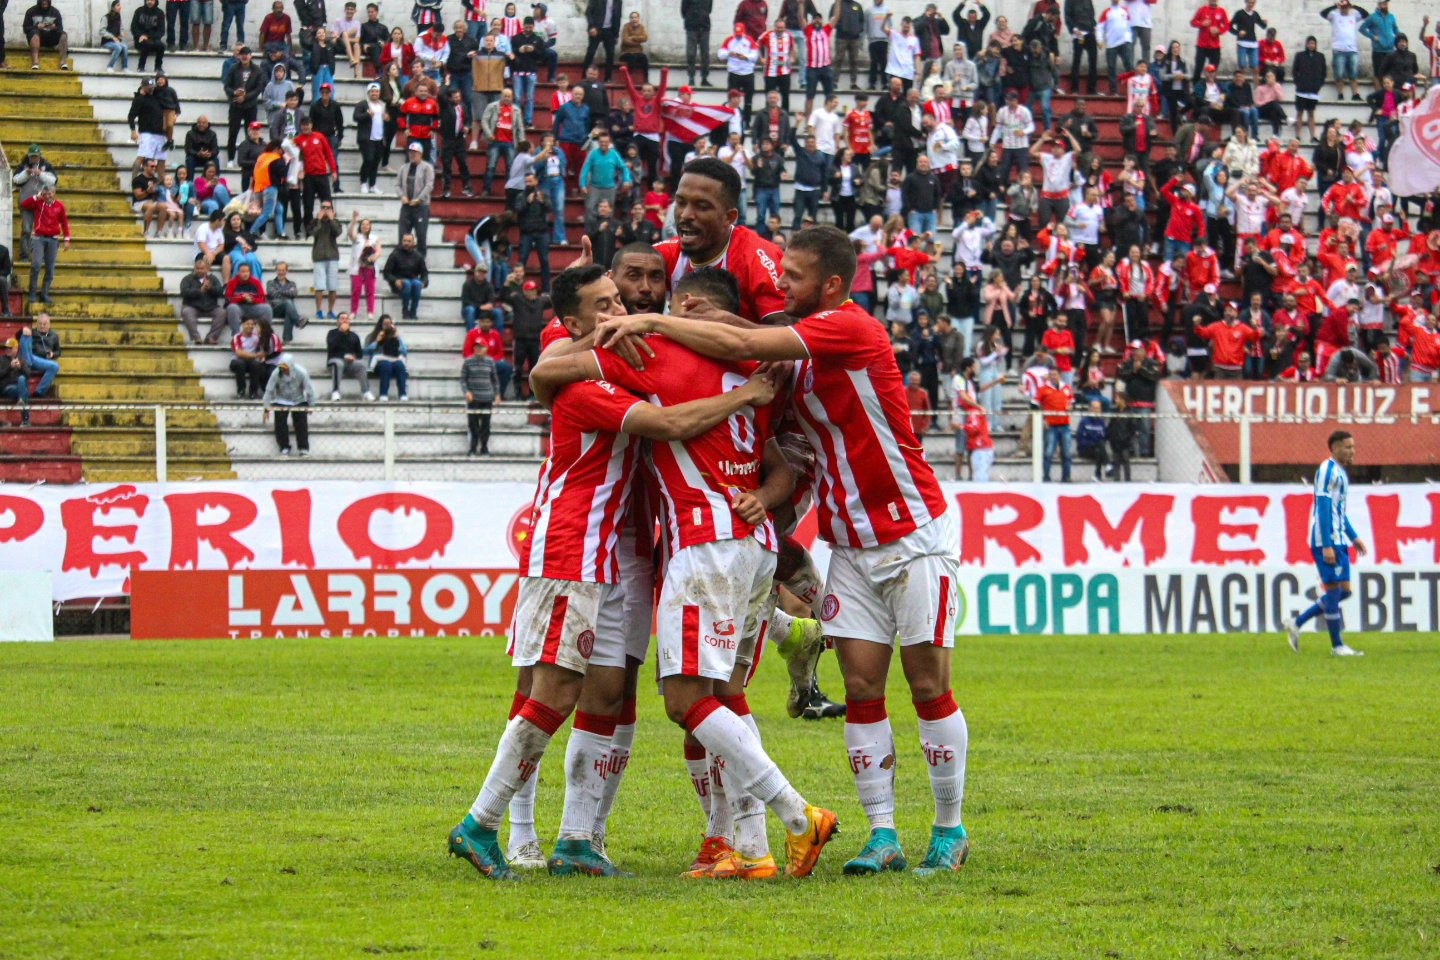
x=1127, y=797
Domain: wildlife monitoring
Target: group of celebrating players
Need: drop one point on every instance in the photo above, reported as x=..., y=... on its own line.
x=684, y=446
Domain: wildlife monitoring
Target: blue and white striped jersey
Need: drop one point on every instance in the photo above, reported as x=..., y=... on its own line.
x=1329, y=525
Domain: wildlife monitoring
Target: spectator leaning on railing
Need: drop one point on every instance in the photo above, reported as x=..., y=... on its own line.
x=291, y=395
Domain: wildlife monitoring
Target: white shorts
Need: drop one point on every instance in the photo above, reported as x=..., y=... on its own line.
x=151, y=146
x=750, y=651
x=712, y=596
x=907, y=588
x=327, y=276
x=569, y=624
x=637, y=590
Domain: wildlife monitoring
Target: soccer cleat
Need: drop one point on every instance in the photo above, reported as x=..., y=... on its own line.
x=802, y=850
x=949, y=849
x=801, y=651
x=762, y=869
x=597, y=838
x=881, y=852
x=1346, y=651
x=820, y=706
x=577, y=857
x=479, y=846
x=1292, y=633
x=526, y=856
x=714, y=851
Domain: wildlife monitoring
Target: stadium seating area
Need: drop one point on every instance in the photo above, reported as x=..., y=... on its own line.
x=116, y=302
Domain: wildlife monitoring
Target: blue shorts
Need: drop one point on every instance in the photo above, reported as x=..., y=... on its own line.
x=1337, y=572
x=1343, y=64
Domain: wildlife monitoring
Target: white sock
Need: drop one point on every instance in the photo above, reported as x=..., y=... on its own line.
x=746, y=810
x=871, y=747
x=516, y=758
x=726, y=735
x=620, y=744
x=522, y=813
x=719, y=821
x=944, y=738
x=587, y=759
x=697, y=762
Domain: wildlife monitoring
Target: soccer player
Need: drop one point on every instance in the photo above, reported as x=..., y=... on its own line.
x=1331, y=537
x=568, y=614
x=895, y=557
x=716, y=504
x=706, y=211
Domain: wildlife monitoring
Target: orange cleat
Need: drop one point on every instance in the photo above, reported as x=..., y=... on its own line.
x=802, y=850
x=713, y=862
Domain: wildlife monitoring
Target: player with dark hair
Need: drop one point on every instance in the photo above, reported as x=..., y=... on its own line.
x=1331, y=537
x=895, y=545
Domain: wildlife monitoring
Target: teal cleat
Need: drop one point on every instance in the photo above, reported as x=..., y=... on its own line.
x=481, y=848
x=881, y=852
x=578, y=857
x=949, y=849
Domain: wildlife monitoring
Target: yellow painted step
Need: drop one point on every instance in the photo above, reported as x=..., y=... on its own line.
x=140, y=472
x=109, y=308
x=90, y=388
x=106, y=446
x=61, y=107
x=136, y=419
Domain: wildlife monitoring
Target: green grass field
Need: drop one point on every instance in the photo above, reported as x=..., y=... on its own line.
x=1127, y=797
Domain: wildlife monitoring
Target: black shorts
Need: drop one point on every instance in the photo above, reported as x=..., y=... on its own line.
x=49, y=41
x=1305, y=104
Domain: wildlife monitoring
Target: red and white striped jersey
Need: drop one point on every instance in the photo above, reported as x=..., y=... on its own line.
x=817, y=46
x=1032, y=379
x=752, y=260
x=940, y=110
x=776, y=47
x=873, y=484
x=509, y=26
x=475, y=12
x=700, y=477
x=584, y=485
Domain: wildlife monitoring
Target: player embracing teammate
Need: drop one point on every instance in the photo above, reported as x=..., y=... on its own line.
x=895, y=545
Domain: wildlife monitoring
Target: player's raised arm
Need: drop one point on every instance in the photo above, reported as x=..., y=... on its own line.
x=686, y=420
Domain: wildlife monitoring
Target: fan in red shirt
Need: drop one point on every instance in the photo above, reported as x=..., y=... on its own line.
x=1202, y=267
x=419, y=114
x=895, y=555
x=1424, y=349
x=1284, y=168
x=706, y=207
x=1228, y=342
x=1211, y=23
x=1334, y=333
x=860, y=128
x=1384, y=241
x=1345, y=199
x=1187, y=220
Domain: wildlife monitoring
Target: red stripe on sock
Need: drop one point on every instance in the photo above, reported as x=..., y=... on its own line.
x=737, y=705
x=516, y=703
x=541, y=716
x=694, y=751
x=941, y=617
x=627, y=714
x=865, y=711
x=698, y=713
x=690, y=641
x=595, y=723
x=555, y=631
x=937, y=709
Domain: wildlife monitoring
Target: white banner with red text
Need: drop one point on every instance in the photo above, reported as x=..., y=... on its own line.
x=265, y=559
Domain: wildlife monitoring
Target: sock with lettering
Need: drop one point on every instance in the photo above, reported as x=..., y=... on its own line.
x=746, y=810
x=944, y=738
x=620, y=744
x=727, y=736
x=522, y=805
x=516, y=758
x=871, y=747
x=587, y=760
x=697, y=763
x=805, y=583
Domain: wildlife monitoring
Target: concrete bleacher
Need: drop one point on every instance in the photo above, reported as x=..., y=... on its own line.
x=132, y=313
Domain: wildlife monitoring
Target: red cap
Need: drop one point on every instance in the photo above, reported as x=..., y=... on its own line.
x=687, y=89
x=530, y=285
x=326, y=86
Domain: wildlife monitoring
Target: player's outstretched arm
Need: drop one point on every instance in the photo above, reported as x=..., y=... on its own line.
x=686, y=420
x=718, y=340
x=554, y=372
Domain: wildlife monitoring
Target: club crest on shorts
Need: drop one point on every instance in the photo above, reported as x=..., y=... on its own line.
x=829, y=607
x=585, y=643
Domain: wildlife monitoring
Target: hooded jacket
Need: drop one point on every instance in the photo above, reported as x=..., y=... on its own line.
x=292, y=389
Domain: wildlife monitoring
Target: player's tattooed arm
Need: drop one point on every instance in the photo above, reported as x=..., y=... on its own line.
x=686, y=420
x=719, y=340
x=554, y=372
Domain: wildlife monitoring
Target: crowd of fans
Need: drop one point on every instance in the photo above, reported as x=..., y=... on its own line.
x=1202, y=254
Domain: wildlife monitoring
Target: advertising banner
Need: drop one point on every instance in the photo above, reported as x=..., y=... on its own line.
x=231, y=559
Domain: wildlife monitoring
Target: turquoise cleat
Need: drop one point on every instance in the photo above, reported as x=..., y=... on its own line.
x=949, y=849
x=881, y=852
x=481, y=848
x=578, y=857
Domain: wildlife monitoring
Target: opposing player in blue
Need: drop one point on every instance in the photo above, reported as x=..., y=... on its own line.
x=1331, y=537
